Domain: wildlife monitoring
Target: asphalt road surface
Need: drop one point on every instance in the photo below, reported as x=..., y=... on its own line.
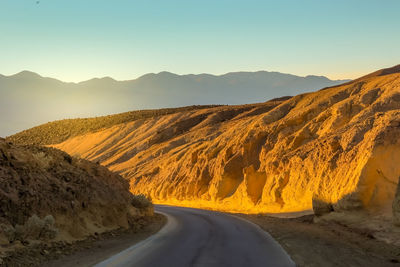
x=194, y=237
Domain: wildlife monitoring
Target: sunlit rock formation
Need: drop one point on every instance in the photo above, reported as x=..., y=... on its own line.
x=338, y=147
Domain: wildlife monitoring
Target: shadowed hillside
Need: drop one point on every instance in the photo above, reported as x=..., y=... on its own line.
x=47, y=195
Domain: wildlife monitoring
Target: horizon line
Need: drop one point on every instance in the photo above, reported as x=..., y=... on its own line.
x=169, y=72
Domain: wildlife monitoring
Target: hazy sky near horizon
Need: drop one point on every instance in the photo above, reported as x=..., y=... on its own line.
x=75, y=40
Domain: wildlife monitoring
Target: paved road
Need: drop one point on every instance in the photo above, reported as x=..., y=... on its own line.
x=194, y=237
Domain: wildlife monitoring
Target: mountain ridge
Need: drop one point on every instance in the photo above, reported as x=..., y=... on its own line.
x=27, y=73
x=29, y=99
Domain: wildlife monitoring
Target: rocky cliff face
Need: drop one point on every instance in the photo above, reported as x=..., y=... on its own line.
x=338, y=148
x=46, y=194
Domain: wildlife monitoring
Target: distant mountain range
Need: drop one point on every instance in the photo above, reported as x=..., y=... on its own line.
x=28, y=99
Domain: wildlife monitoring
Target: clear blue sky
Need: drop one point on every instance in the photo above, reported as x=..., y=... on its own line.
x=75, y=40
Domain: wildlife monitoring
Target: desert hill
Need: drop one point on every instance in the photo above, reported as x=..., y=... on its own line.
x=337, y=148
x=47, y=195
x=28, y=99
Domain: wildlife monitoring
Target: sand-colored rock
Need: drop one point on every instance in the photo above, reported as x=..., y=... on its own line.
x=339, y=146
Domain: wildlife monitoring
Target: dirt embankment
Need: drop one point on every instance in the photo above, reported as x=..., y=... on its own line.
x=47, y=196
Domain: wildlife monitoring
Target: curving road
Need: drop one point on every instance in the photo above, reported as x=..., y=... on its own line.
x=194, y=237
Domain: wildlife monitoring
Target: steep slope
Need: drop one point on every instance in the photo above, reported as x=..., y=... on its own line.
x=28, y=99
x=46, y=194
x=338, y=146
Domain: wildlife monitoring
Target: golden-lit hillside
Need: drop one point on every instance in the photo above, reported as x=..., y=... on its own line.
x=338, y=146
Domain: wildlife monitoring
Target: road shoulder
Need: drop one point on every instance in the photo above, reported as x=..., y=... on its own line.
x=89, y=251
x=326, y=244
